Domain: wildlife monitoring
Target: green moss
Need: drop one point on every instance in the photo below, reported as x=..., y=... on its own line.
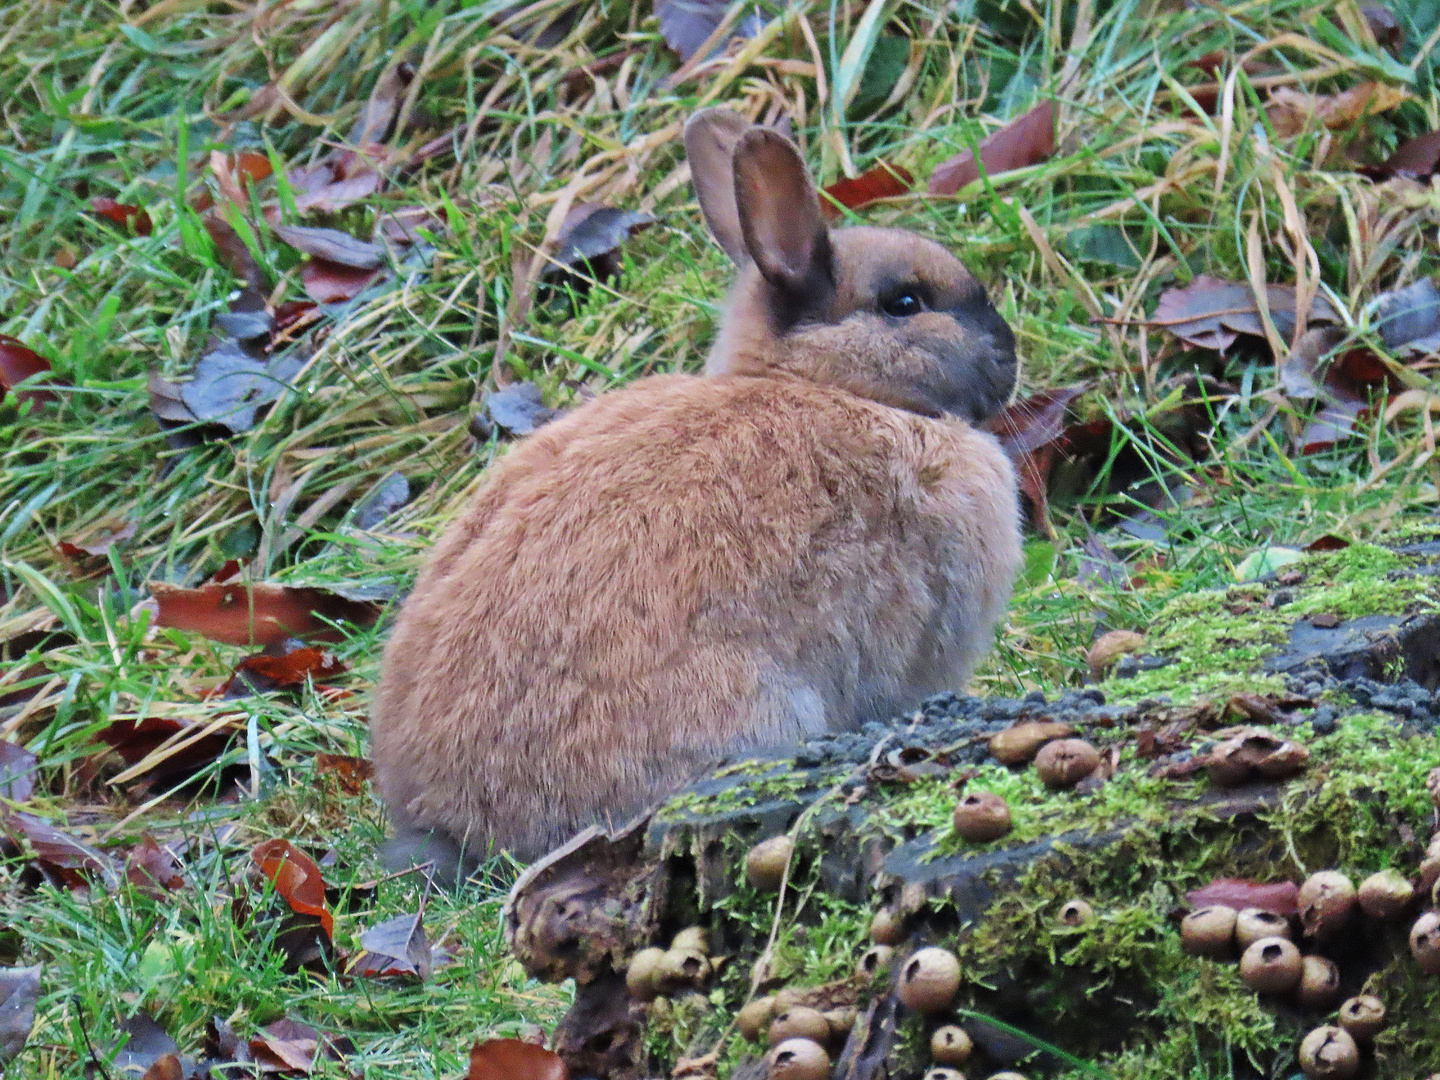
x=770, y=782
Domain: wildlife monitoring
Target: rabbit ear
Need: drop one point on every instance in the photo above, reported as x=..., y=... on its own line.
x=710, y=138
x=785, y=232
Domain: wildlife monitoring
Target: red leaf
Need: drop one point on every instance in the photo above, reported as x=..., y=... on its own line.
x=253, y=164
x=259, y=673
x=260, y=614
x=1327, y=543
x=352, y=772
x=59, y=854
x=231, y=249
x=17, y=363
x=1032, y=432
x=880, y=181
x=136, y=740
x=288, y=1046
x=165, y=1068
x=297, y=879
x=1418, y=157
x=151, y=868
x=514, y=1059
x=329, y=282
x=126, y=218
x=1026, y=141
x=1239, y=893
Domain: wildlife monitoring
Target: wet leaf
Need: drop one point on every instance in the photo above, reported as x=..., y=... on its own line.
x=686, y=24
x=377, y=119
x=591, y=237
x=1328, y=542
x=297, y=879
x=1210, y=314
x=330, y=187
x=17, y=772
x=1386, y=28
x=403, y=225
x=152, y=868
x=58, y=855
x=19, y=992
x=1026, y=141
x=518, y=409
x=332, y=245
x=1409, y=318
x=1240, y=893
x=351, y=772
x=257, y=614
x=165, y=1068
x=329, y=282
x=394, y=948
x=881, y=181
x=514, y=1059
x=17, y=363
x=135, y=741
x=384, y=499
x=98, y=545
x=262, y=673
x=128, y=219
x=231, y=249
x=229, y=385
x=252, y=164
x=1417, y=158
x=1291, y=111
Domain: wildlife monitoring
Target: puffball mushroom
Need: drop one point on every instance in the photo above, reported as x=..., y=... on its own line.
x=1109, y=647
x=1252, y=924
x=1065, y=762
x=1329, y=1053
x=1319, y=983
x=950, y=1045
x=641, y=977
x=928, y=980
x=1271, y=966
x=692, y=939
x=841, y=1020
x=1326, y=901
x=1385, y=895
x=887, y=927
x=1425, y=942
x=1075, y=913
x=1363, y=1016
x=981, y=816
x=874, y=961
x=798, y=1059
x=682, y=967
x=766, y=861
x=1208, y=931
x=754, y=1018
x=799, y=1022
x=944, y=1072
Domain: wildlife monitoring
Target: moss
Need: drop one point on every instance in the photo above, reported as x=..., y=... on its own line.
x=770, y=782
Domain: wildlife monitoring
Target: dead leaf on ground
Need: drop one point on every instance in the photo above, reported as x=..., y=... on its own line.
x=297, y=879
x=289, y=1046
x=1409, y=318
x=231, y=249
x=351, y=772
x=58, y=856
x=514, y=1059
x=152, y=868
x=137, y=741
x=403, y=225
x=518, y=409
x=1386, y=28
x=19, y=992
x=1031, y=431
x=230, y=385
x=1347, y=386
x=17, y=772
x=1291, y=111
x=262, y=673
x=881, y=181
x=1026, y=141
x=98, y=544
x=257, y=614
x=591, y=238
x=17, y=363
x=329, y=282
x=128, y=219
x=376, y=121
x=1417, y=158
x=332, y=245
x=384, y=499
x=687, y=24
x=395, y=948
x=146, y=1044
x=1279, y=897
x=1210, y=314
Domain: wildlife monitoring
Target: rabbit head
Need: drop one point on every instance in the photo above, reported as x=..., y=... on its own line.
x=883, y=313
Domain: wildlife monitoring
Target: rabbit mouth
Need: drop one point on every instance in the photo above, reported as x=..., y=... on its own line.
x=971, y=376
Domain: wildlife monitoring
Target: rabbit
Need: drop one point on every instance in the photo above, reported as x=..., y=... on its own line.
x=809, y=536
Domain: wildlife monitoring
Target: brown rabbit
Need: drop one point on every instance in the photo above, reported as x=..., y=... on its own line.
x=809, y=536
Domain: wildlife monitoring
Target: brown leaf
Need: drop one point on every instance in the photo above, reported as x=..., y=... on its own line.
x=17, y=363
x=591, y=237
x=1279, y=897
x=332, y=245
x=134, y=741
x=1026, y=141
x=258, y=614
x=231, y=249
x=288, y=1046
x=297, y=879
x=394, y=948
x=252, y=164
x=377, y=119
x=125, y=218
x=19, y=993
x=1032, y=432
x=1409, y=318
x=17, y=772
x=352, y=772
x=329, y=282
x=261, y=673
x=1209, y=313
x=153, y=869
x=60, y=856
x=165, y=1068
x=881, y=181
x=145, y=1044
x=1327, y=543
x=514, y=1059
x=1291, y=111
x=98, y=545
x=1417, y=158
x=686, y=24
x=1386, y=28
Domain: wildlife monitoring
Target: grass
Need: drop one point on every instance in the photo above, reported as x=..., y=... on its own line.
x=1147, y=189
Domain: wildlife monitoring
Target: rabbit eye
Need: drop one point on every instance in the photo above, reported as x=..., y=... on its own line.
x=902, y=304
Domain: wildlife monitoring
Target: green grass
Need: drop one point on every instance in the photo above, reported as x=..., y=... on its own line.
x=98, y=102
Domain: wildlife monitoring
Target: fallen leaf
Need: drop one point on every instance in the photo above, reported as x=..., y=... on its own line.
x=377, y=119
x=229, y=385
x=330, y=189
x=297, y=879
x=396, y=947
x=329, y=282
x=514, y=1059
x=288, y=1046
x=1026, y=141
x=518, y=408
x=687, y=24
x=1386, y=28
x=17, y=363
x=58, y=855
x=1210, y=314
x=1240, y=893
x=145, y=1043
x=591, y=237
x=130, y=219
x=135, y=741
x=165, y=1068
x=1291, y=111
x=1417, y=158
x=252, y=164
x=261, y=673
x=1031, y=431
x=332, y=245
x=1409, y=318
x=881, y=181
x=98, y=545
x=152, y=868
x=221, y=1042
x=1327, y=543
x=258, y=614
x=17, y=772
x=352, y=772
x=383, y=500
x=19, y=992
x=403, y=225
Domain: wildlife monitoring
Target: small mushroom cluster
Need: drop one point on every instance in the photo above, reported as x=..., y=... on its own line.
x=1271, y=963
x=683, y=966
x=800, y=1036
x=1061, y=762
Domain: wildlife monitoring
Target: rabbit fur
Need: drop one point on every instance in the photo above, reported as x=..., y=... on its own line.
x=809, y=536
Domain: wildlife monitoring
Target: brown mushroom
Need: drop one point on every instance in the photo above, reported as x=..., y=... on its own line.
x=950, y=1045
x=1385, y=895
x=754, y=1018
x=1209, y=931
x=887, y=927
x=841, y=1019
x=1363, y=1016
x=1064, y=763
x=1329, y=1053
x=981, y=816
x=1326, y=901
x=682, y=967
x=1019, y=743
x=799, y=1022
x=928, y=980
x=1319, y=983
x=1271, y=966
x=797, y=1059
x=692, y=939
x=875, y=961
x=1425, y=942
x=1251, y=924
x=766, y=862
x=642, y=974
x=1109, y=647
x=1075, y=913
